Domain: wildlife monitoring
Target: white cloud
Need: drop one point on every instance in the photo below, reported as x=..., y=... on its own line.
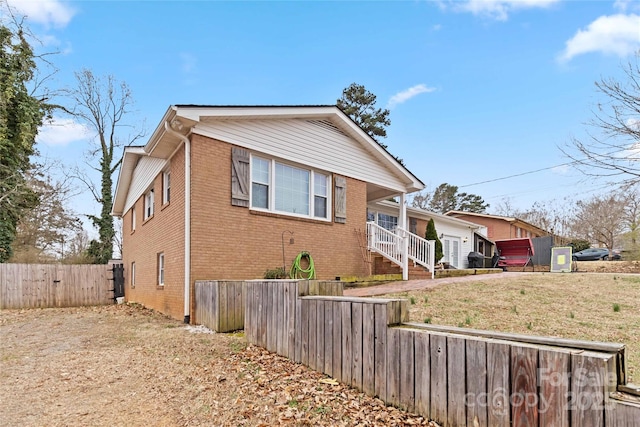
x=60, y=132
x=621, y=5
x=498, y=9
x=436, y=27
x=616, y=34
x=407, y=94
x=47, y=12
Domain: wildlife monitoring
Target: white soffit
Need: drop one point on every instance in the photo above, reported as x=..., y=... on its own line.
x=143, y=176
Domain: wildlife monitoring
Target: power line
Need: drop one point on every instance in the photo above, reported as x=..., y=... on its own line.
x=542, y=169
x=517, y=175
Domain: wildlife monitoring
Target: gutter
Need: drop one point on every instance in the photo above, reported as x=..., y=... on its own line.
x=187, y=220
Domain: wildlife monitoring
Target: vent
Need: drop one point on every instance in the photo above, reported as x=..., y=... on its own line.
x=326, y=124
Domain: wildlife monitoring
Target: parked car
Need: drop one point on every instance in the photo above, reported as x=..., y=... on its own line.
x=593, y=254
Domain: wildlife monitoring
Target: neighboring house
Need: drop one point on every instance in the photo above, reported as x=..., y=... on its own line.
x=218, y=191
x=501, y=227
x=458, y=237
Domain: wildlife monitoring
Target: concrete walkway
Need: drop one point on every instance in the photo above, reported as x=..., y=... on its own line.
x=416, y=285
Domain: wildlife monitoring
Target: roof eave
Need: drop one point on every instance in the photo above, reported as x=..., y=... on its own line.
x=129, y=159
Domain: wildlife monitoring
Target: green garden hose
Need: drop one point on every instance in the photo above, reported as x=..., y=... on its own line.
x=297, y=272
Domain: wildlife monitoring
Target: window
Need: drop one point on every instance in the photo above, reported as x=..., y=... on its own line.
x=148, y=204
x=388, y=222
x=260, y=182
x=371, y=216
x=166, y=187
x=161, y=269
x=133, y=218
x=292, y=189
x=320, y=195
x=281, y=187
x=133, y=274
x=413, y=225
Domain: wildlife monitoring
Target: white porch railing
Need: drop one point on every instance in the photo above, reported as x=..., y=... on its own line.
x=422, y=252
x=393, y=246
x=385, y=242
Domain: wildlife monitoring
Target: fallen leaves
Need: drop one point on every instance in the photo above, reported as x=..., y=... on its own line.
x=125, y=365
x=300, y=396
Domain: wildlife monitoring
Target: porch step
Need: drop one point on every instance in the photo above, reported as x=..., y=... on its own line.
x=381, y=265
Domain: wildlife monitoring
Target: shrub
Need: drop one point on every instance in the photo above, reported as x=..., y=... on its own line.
x=432, y=234
x=579, y=245
x=276, y=273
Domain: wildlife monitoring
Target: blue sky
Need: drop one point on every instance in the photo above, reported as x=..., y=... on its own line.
x=478, y=90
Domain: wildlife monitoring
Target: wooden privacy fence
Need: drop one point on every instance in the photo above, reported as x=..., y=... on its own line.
x=456, y=376
x=54, y=285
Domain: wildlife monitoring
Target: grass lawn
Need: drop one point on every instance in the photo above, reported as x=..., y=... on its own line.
x=585, y=306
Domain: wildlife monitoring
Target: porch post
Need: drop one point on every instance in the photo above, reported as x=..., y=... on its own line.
x=405, y=238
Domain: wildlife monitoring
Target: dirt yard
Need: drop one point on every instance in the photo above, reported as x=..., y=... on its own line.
x=127, y=366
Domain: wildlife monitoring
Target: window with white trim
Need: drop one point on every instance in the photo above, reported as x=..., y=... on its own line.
x=148, y=204
x=388, y=222
x=161, y=269
x=320, y=195
x=133, y=217
x=166, y=187
x=133, y=274
x=260, y=182
x=283, y=188
x=371, y=215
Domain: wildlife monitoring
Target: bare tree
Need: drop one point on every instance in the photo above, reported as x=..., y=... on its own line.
x=76, y=248
x=104, y=105
x=612, y=148
x=600, y=219
x=632, y=220
x=42, y=231
x=505, y=208
x=554, y=216
x=422, y=199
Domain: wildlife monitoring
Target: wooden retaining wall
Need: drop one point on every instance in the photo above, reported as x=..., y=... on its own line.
x=54, y=285
x=455, y=376
x=220, y=304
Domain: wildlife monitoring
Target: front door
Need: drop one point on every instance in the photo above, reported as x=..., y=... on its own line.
x=451, y=249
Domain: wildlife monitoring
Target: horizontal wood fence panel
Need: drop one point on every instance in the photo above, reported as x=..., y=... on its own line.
x=55, y=285
x=454, y=376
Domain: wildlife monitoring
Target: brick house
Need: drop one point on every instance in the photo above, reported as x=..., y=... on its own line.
x=218, y=192
x=501, y=227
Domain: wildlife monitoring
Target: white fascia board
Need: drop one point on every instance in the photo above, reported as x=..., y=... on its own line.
x=357, y=133
x=196, y=113
x=444, y=218
x=430, y=214
x=129, y=161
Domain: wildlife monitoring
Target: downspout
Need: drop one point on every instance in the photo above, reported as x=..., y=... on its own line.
x=187, y=220
x=405, y=237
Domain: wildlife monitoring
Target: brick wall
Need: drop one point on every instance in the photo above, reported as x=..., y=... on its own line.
x=229, y=242
x=163, y=232
x=496, y=228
